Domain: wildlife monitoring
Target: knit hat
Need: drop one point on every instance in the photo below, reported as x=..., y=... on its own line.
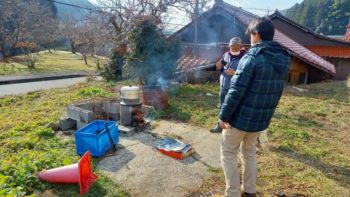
x=235, y=40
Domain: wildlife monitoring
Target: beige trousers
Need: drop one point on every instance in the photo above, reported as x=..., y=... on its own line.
x=232, y=139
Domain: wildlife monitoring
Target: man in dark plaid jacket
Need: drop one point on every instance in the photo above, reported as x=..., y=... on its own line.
x=254, y=93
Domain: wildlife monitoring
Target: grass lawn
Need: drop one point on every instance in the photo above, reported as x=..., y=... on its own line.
x=55, y=62
x=309, y=144
x=28, y=145
x=308, y=137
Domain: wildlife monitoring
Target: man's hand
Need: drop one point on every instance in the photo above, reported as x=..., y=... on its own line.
x=230, y=72
x=219, y=65
x=223, y=125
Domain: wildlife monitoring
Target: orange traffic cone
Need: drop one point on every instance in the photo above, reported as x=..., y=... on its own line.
x=80, y=172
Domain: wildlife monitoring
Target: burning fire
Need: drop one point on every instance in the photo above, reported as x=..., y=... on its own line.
x=138, y=121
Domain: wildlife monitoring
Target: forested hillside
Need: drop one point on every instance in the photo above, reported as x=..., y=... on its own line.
x=328, y=17
x=64, y=11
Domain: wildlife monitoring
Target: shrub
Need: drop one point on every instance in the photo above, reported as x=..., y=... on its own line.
x=151, y=57
x=113, y=70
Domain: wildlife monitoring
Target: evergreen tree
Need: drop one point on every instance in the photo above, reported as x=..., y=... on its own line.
x=339, y=13
x=152, y=57
x=322, y=16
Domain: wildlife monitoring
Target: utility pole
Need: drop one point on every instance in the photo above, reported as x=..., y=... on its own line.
x=196, y=23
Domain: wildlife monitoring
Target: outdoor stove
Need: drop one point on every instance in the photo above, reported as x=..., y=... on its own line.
x=129, y=111
x=130, y=104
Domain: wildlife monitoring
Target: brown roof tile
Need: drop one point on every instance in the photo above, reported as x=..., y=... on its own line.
x=200, y=55
x=303, y=53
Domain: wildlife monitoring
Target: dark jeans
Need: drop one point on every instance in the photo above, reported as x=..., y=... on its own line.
x=222, y=95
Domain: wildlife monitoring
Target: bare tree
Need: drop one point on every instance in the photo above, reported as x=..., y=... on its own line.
x=103, y=33
x=123, y=14
x=68, y=28
x=193, y=7
x=21, y=21
x=86, y=35
x=49, y=36
x=86, y=40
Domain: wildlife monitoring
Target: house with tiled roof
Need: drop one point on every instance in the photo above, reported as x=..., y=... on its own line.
x=223, y=21
x=335, y=51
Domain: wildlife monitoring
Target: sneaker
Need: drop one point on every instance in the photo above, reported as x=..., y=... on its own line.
x=217, y=129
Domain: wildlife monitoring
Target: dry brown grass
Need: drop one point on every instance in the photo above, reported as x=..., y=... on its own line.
x=55, y=62
x=309, y=145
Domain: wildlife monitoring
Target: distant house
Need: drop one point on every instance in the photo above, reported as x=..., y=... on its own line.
x=223, y=21
x=334, y=50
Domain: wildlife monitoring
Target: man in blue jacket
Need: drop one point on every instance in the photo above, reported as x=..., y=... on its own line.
x=254, y=93
x=227, y=65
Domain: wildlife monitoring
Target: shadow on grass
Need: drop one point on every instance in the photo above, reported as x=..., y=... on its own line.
x=301, y=120
x=338, y=174
x=73, y=190
x=102, y=187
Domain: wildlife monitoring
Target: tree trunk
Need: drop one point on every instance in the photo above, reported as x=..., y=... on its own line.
x=85, y=58
x=72, y=46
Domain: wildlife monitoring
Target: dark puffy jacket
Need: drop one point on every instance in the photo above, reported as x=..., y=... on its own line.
x=256, y=87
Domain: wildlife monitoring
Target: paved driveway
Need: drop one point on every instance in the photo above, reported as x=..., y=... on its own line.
x=22, y=88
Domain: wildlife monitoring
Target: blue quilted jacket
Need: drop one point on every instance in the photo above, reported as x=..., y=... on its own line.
x=256, y=87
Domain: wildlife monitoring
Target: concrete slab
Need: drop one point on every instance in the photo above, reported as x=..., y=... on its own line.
x=79, y=114
x=81, y=124
x=206, y=144
x=113, y=108
x=126, y=131
x=67, y=123
x=146, y=172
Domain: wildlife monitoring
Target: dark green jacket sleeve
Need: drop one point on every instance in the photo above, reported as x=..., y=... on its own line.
x=238, y=87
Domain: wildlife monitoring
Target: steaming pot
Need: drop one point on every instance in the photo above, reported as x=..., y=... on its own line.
x=130, y=95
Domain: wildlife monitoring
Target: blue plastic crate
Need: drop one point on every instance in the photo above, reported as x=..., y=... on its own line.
x=94, y=138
